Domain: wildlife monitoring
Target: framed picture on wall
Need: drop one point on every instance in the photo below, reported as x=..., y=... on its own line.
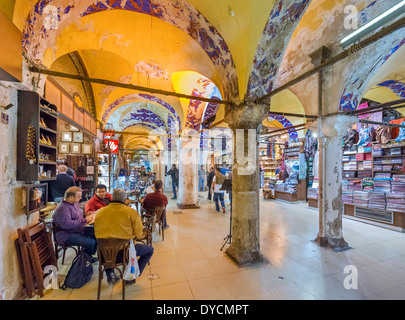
x=77, y=136
x=87, y=148
x=75, y=148
x=67, y=136
x=63, y=147
x=90, y=170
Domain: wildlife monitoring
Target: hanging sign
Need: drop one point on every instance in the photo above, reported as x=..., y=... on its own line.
x=112, y=145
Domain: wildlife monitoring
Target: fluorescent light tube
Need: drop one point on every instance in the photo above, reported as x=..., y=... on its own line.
x=390, y=14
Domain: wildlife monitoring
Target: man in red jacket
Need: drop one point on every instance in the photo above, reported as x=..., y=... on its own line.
x=157, y=199
x=100, y=199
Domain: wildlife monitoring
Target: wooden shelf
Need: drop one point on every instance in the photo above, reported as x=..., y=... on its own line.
x=47, y=129
x=46, y=145
x=47, y=162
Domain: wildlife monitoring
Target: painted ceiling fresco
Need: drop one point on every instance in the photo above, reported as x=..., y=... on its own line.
x=285, y=123
x=198, y=110
x=176, y=12
x=110, y=110
x=395, y=86
x=152, y=70
x=279, y=28
x=140, y=113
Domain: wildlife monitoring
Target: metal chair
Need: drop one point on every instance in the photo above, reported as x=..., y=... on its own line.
x=107, y=252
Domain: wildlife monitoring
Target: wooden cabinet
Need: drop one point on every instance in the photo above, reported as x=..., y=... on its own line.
x=36, y=138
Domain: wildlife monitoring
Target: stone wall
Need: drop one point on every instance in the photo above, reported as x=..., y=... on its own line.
x=12, y=215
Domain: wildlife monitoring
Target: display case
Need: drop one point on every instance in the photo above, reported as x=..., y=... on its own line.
x=104, y=170
x=36, y=138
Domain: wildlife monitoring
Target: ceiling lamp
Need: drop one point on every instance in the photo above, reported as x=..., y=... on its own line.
x=374, y=24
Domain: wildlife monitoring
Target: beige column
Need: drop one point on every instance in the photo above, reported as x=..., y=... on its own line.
x=188, y=170
x=330, y=181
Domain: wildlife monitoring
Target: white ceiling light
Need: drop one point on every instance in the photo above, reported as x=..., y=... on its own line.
x=374, y=24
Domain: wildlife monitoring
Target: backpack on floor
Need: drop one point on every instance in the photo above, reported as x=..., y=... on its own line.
x=79, y=273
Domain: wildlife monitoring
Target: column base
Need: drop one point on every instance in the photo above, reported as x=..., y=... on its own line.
x=336, y=244
x=243, y=256
x=188, y=206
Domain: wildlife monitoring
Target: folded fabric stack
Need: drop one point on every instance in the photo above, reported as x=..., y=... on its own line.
x=347, y=196
x=378, y=167
x=352, y=165
x=378, y=152
x=382, y=185
x=312, y=193
x=387, y=168
x=396, y=202
x=382, y=176
x=398, y=186
x=367, y=165
x=377, y=200
x=355, y=185
x=349, y=174
x=396, y=151
x=360, y=198
x=398, y=160
x=398, y=177
x=345, y=185
x=364, y=174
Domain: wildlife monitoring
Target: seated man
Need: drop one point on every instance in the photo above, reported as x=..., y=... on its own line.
x=117, y=220
x=70, y=223
x=100, y=199
x=156, y=199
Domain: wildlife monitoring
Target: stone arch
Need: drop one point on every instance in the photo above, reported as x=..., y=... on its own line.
x=279, y=28
x=359, y=80
x=176, y=12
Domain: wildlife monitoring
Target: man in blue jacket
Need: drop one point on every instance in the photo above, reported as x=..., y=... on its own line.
x=62, y=183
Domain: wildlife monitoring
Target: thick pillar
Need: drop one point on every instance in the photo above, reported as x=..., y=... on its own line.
x=188, y=171
x=330, y=181
x=245, y=122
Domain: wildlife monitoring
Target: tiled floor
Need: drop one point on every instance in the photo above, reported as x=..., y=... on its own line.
x=188, y=264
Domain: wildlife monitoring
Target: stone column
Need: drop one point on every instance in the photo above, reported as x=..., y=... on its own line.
x=188, y=171
x=245, y=121
x=330, y=181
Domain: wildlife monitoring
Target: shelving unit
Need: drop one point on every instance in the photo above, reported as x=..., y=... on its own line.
x=269, y=166
x=104, y=169
x=41, y=116
x=290, y=191
x=382, y=200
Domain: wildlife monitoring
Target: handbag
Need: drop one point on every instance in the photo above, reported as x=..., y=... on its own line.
x=132, y=268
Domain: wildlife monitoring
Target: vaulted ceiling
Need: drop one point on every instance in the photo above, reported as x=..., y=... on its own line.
x=203, y=48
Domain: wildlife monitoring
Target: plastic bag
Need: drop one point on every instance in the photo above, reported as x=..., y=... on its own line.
x=132, y=268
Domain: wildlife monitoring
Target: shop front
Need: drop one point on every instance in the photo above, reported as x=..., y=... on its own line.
x=373, y=186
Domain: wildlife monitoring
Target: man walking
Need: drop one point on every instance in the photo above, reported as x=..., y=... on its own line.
x=201, y=179
x=210, y=177
x=174, y=172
